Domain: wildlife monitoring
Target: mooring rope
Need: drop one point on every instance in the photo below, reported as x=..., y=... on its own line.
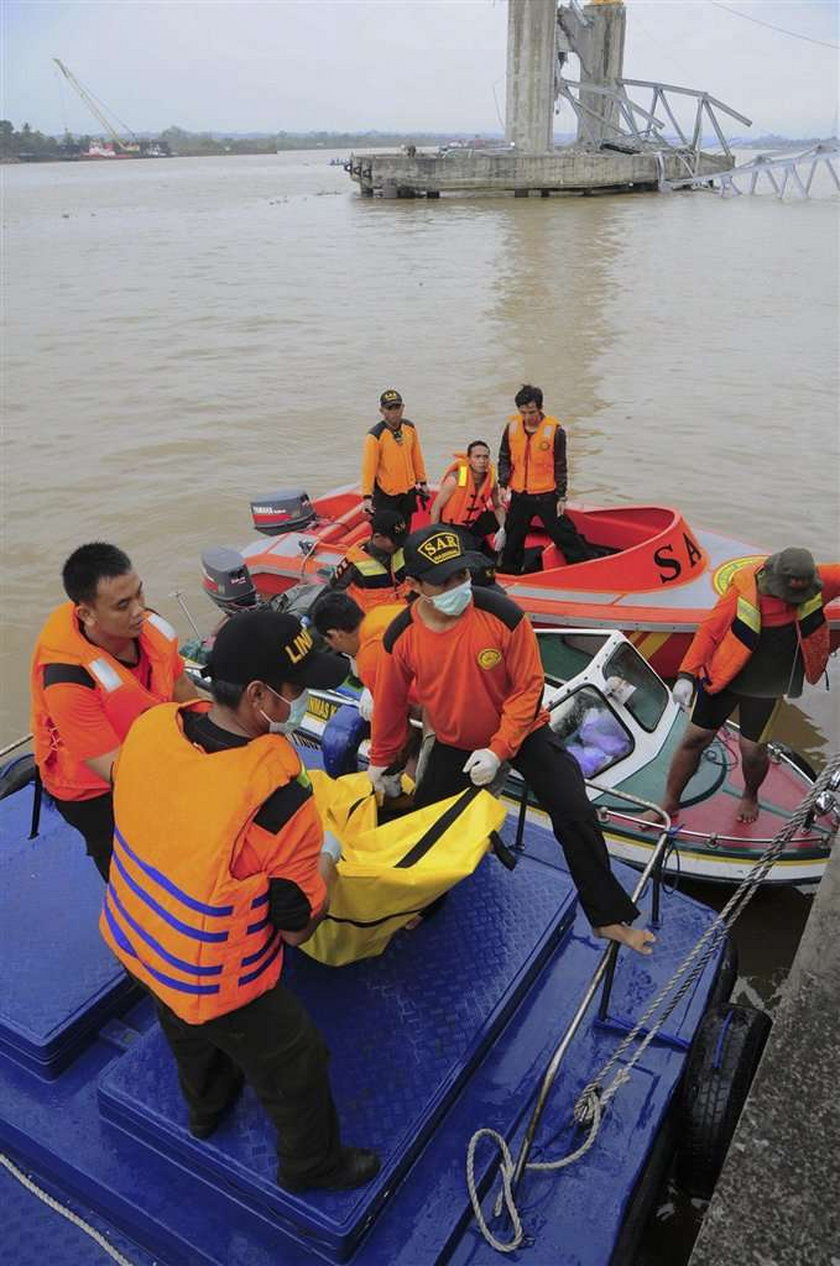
x=593, y=1100
x=61, y=1209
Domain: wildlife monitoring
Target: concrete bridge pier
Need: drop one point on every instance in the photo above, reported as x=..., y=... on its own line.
x=531, y=63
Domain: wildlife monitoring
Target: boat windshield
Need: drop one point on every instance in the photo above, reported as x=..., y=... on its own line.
x=635, y=685
x=564, y=655
x=590, y=731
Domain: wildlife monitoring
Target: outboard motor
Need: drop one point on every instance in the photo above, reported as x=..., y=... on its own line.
x=227, y=579
x=286, y=510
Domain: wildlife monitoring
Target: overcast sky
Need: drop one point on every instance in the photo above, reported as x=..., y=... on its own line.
x=437, y=65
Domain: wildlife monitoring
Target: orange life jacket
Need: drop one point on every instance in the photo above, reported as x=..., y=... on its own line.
x=741, y=638
x=532, y=456
x=174, y=915
x=374, y=585
x=62, y=646
x=467, y=501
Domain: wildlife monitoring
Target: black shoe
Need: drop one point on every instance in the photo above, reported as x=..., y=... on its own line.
x=203, y=1124
x=357, y=1166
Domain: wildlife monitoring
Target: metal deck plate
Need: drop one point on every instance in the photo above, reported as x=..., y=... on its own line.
x=50, y=898
x=431, y=1005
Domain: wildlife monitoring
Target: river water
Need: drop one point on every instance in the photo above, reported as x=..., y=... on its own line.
x=186, y=334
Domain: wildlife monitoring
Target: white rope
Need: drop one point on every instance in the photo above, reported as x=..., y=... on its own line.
x=594, y=1098
x=64, y=1211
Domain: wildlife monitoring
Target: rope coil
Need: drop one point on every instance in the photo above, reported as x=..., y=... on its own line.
x=594, y=1099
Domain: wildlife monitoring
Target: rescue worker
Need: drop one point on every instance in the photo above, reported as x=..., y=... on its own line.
x=469, y=495
x=101, y=659
x=393, y=470
x=765, y=635
x=215, y=873
x=532, y=463
x=346, y=628
x=472, y=658
x=373, y=572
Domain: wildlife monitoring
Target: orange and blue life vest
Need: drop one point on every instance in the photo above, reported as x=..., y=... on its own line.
x=174, y=914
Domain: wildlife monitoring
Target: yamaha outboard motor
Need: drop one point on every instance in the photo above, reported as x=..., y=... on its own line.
x=286, y=510
x=227, y=579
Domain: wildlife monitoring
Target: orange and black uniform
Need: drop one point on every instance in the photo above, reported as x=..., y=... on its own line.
x=753, y=648
x=480, y=683
x=206, y=874
x=392, y=466
x=371, y=632
x=533, y=465
x=371, y=577
x=83, y=704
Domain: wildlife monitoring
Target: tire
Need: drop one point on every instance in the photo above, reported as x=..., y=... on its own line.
x=721, y=1065
x=16, y=774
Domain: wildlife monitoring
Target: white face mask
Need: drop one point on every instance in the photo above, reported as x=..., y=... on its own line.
x=297, y=711
x=453, y=601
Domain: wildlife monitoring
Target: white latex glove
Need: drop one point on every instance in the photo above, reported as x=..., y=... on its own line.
x=365, y=704
x=561, y=506
x=482, y=767
x=498, y=541
x=331, y=846
x=376, y=774
x=393, y=785
x=683, y=693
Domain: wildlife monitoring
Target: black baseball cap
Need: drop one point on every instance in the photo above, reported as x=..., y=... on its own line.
x=435, y=553
x=388, y=523
x=274, y=647
x=391, y=396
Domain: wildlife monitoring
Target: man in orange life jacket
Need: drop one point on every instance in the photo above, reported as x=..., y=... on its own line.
x=347, y=629
x=100, y=660
x=469, y=495
x=373, y=572
x=532, y=463
x=218, y=870
x=765, y=635
x=393, y=469
x=473, y=661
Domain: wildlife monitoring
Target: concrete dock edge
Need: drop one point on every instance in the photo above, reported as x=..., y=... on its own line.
x=778, y=1199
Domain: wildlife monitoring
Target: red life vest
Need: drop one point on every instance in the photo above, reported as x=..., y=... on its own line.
x=467, y=501
x=174, y=915
x=532, y=456
x=62, y=646
x=741, y=638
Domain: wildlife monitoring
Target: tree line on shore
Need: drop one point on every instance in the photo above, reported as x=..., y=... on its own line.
x=31, y=143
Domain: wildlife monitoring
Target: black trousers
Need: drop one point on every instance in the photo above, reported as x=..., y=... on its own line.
x=527, y=506
x=555, y=779
x=404, y=503
x=94, y=819
x=275, y=1044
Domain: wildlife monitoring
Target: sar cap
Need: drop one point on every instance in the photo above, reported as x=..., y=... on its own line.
x=390, y=396
x=435, y=553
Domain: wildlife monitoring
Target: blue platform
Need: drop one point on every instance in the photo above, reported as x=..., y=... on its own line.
x=448, y=1031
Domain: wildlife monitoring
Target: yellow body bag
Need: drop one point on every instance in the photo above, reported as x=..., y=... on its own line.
x=387, y=874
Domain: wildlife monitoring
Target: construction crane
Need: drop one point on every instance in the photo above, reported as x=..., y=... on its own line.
x=130, y=145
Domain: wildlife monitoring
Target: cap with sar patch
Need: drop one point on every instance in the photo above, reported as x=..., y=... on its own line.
x=273, y=647
x=436, y=553
x=390, y=397
x=790, y=575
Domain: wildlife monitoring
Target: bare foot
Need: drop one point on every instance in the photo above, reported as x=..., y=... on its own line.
x=638, y=939
x=748, y=808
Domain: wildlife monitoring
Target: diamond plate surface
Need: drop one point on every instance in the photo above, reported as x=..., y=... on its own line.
x=59, y=982
x=405, y=1030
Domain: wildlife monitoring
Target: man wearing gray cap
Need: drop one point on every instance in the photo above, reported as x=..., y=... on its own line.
x=765, y=636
